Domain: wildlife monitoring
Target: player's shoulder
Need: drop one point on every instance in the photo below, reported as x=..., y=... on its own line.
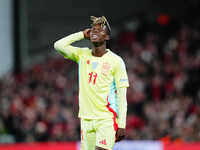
x=85, y=51
x=115, y=57
x=117, y=61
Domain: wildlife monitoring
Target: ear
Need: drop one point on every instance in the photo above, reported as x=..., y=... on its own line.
x=107, y=37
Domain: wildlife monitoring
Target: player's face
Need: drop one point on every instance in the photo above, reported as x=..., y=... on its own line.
x=98, y=34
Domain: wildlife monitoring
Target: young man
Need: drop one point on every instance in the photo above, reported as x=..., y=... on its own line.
x=103, y=84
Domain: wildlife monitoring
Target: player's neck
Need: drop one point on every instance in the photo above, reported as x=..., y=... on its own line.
x=99, y=50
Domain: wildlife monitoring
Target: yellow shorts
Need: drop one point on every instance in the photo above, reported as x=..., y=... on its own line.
x=98, y=132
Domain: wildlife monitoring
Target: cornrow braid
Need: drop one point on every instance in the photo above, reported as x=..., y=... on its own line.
x=102, y=21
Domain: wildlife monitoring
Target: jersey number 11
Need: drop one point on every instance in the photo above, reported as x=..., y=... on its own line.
x=92, y=76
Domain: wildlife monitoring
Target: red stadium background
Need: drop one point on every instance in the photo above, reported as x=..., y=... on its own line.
x=75, y=146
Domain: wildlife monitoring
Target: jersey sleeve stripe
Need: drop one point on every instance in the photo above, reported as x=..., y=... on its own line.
x=114, y=115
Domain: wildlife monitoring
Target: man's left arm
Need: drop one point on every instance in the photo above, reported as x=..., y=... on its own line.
x=122, y=106
x=121, y=80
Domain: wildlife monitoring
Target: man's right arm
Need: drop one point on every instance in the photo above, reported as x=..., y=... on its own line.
x=64, y=47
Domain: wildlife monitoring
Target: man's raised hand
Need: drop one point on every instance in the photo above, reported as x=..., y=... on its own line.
x=86, y=33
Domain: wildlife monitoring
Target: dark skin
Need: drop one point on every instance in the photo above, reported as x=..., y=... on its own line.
x=98, y=36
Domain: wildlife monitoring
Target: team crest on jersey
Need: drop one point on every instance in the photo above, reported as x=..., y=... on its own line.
x=94, y=65
x=105, y=67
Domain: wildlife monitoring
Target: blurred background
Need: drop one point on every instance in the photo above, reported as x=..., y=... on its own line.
x=158, y=40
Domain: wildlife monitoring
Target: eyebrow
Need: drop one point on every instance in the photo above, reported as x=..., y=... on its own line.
x=99, y=28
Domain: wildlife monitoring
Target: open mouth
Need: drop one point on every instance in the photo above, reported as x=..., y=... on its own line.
x=94, y=36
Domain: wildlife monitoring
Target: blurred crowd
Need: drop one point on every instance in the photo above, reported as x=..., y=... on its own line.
x=164, y=94
x=41, y=104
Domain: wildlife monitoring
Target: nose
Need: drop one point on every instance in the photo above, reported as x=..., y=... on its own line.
x=95, y=31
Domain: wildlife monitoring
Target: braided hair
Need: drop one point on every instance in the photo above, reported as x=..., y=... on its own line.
x=102, y=21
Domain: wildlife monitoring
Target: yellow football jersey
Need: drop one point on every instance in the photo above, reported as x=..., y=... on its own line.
x=99, y=77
